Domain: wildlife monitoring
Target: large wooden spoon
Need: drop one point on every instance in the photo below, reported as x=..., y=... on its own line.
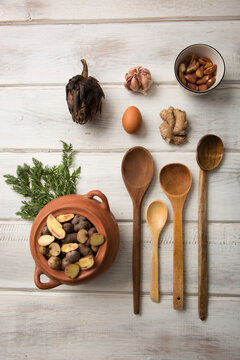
x=176, y=181
x=137, y=173
x=156, y=216
x=209, y=155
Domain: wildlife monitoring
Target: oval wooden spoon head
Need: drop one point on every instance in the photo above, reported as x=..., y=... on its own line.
x=156, y=215
x=175, y=180
x=137, y=171
x=209, y=152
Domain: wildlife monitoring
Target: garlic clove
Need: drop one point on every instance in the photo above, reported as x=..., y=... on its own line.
x=134, y=85
x=146, y=83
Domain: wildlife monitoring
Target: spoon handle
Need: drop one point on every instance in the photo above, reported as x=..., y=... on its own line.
x=154, y=290
x=136, y=255
x=202, y=246
x=177, y=258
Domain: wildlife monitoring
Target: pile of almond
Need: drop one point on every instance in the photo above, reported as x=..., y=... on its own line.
x=197, y=72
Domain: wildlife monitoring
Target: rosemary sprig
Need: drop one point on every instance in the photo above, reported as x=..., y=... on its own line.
x=42, y=184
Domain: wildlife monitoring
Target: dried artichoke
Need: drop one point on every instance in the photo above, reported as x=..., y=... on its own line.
x=84, y=96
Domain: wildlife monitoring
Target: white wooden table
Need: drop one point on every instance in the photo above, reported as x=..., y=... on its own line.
x=41, y=44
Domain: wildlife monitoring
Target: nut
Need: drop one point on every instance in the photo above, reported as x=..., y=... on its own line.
x=64, y=217
x=202, y=87
x=191, y=68
x=192, y=86
x=82, y=236
x=86, y=262
x=210, y=82
x=54, y=249
x=69, y=247
x=210, y=69
x=203, y=80
x=208, y=65
x=192, y=78
x=182, y=78
x=182, y=68
x=199, y=72
x=55, y=227
x=46, y=240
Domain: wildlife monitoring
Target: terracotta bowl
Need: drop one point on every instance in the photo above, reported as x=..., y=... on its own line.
x=99, y=214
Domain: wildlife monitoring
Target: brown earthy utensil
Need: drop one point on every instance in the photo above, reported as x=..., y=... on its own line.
x=156, y=216
x=176, y=180
x=137, y=173
x=209, y=155
x=98, y=212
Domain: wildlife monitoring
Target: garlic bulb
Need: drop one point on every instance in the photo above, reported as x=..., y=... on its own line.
x=138, y=79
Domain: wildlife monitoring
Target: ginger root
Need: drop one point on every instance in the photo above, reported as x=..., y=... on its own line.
x=173, y=128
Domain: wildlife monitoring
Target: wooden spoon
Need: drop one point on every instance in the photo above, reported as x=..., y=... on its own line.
x=176, y=181
x=209, y=155
x=137, y=173
x=156, y=216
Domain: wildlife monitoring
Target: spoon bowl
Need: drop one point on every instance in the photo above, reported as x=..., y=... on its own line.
x=209, y=152
x=137, y=173
x=176, y=180
x=156, y=216
x=208, y=155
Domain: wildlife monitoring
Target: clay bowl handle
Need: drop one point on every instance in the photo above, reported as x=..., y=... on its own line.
x=44, y=286
x=104, y=204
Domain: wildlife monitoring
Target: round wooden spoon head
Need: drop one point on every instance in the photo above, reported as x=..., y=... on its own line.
x=209, y=152
x=137, y=171
x=175, y=180
x=156, y=215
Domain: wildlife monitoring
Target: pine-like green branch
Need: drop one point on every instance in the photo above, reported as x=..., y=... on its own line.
x=42, y=184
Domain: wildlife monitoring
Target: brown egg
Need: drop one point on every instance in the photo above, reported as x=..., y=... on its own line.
x=132, y=120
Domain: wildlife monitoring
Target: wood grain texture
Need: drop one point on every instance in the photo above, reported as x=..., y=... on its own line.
x=224, y=266
x=202, y=246
x=70, y=10
x=51, y=54
x=223, y=200
x=31, y=111
x=30, y=320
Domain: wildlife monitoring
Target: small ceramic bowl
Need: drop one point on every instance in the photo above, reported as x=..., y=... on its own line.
x=201, y=50
x=98, y=212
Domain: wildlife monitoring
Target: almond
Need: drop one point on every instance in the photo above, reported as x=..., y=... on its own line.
x=192, y=86
x=202, y=87
x=192, y=78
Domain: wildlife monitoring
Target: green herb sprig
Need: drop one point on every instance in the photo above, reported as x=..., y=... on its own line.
x=43, y=183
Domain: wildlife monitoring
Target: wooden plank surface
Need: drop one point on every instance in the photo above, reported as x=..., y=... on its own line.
x=102, y=326
x=51, y=54
x=223, y=184
x=224, y=267
x=42, y=43
x=30, y=111
x=70, y=10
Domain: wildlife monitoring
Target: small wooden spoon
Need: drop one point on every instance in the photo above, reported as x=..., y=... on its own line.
x=137, y=173
x=156, y=216
x=176, y=181
x=209, y=155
